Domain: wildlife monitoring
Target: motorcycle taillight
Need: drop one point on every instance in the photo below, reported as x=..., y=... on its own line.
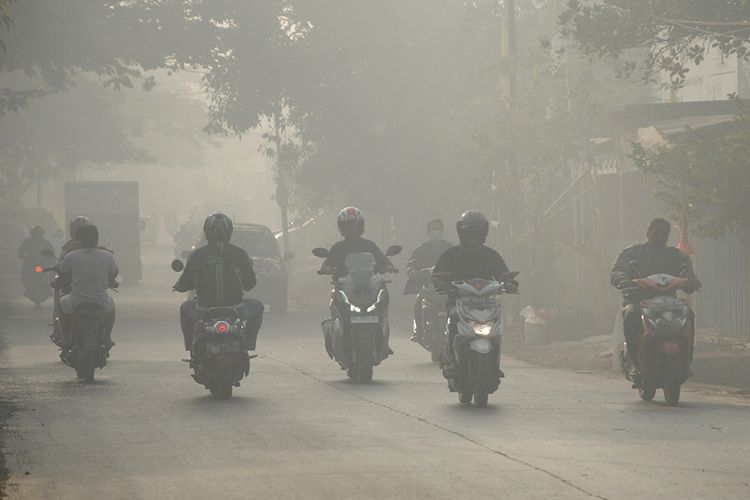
x=221, y=327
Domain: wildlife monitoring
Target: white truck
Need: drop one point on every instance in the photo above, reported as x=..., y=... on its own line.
x=114, y=208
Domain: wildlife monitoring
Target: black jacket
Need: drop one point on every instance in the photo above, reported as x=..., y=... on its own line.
x=643, y=259
x=465, y=262
x=424, y=256
x=218, y=276
x=337, y=255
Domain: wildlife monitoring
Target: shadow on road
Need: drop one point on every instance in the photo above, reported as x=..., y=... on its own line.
x=208, y=402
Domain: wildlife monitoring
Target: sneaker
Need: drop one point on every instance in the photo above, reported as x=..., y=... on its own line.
x=633, y=372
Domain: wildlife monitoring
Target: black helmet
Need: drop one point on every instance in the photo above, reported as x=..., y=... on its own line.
x=351, y=222
x=472, y=228
x=218, y=227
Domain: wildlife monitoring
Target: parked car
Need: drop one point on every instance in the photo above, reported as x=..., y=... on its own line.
x=261, y=245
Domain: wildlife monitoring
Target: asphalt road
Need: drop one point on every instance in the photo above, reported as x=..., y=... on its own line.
x=298, y=429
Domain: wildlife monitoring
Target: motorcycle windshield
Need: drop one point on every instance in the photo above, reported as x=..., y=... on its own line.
x=360, y=284
x=360, y=265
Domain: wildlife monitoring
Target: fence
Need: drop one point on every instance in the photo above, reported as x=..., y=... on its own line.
x=723, y=266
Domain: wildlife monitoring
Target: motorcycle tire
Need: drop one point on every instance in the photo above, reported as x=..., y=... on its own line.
x=86, y=373
x=221, y=391
x=364, y=362
x=480, y=399
x=481, y=365
x=646, y=393
x=672, y=381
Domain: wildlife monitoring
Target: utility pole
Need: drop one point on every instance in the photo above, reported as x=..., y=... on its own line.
x=508, y=53
x=282, y=183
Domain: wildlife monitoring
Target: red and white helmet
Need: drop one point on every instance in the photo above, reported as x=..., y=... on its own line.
x=351, y=222
x=76, y=224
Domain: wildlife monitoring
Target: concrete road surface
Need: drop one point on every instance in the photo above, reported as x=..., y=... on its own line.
x=298, y=429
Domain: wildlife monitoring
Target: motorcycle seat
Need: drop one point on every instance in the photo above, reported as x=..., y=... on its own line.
x=221, y=312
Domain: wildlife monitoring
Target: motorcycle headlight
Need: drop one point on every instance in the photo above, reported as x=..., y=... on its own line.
x=483, y=329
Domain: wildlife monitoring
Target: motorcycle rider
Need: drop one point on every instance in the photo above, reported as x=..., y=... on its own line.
x=74, y=243
x=641, y=260
x=90, y=271
x=351, y=224
x=423, y=257
x=470, y=259
x=31, y=255
x=219, y=272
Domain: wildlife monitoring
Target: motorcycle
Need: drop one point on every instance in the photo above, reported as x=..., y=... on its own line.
x=219, y=357
x=429, y=330
x=356, y=335
x=476, y=346
x=87, y=351
x=666, y=347
x=36, y=281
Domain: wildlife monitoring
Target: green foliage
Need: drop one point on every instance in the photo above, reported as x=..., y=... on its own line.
x=653, y=36
x=705, y=176
x=58, y=133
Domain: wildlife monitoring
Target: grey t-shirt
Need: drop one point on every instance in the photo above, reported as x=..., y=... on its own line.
x=91, y=270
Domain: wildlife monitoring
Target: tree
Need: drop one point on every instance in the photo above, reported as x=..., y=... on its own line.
x=59, y=133
x=655, y=36
x=705, y=176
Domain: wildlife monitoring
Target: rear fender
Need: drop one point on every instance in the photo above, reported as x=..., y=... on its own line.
x=670, y=347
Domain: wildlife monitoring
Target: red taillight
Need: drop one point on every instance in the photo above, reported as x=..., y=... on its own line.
x=38, y=269
x=221, y=327
x=670, y=347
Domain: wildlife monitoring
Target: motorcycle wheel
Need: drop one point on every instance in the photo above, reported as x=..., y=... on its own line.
x=465, y=397
x=221, y=391
x=672, y=381
x=363, y=365
x=86, y=373
x=480, y=399
x=482, y=372
x=646, y=393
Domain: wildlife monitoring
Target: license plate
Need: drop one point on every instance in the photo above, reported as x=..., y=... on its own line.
x=365, y=319
x=479, y=302
x=224, y=348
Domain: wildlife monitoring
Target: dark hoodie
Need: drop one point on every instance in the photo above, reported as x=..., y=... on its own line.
x=468, y=261
x=356, y=244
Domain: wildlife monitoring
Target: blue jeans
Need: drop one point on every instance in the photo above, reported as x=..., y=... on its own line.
x=251, y=313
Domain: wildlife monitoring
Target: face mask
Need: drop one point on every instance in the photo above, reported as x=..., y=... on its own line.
x=435, y=234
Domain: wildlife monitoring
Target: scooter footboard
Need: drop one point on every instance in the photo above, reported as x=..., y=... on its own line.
x=656, y=351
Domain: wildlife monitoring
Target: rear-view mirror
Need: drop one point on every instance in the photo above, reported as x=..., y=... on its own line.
x=177, y=265
x=320, y=252
x=393, y=250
